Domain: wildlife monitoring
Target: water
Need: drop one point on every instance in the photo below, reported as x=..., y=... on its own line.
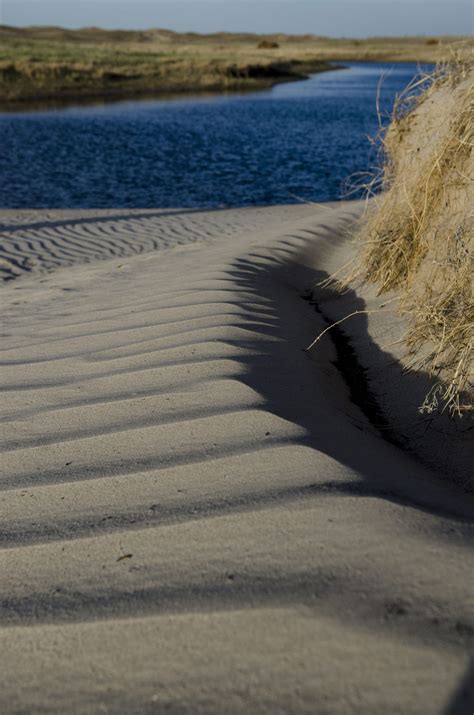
x=297, y=141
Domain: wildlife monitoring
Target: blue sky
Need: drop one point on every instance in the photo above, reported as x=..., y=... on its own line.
x=349, y=18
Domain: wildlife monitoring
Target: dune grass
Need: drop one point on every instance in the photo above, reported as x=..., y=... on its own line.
x=419, y=238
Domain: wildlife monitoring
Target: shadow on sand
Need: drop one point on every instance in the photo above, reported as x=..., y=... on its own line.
x=365, y=440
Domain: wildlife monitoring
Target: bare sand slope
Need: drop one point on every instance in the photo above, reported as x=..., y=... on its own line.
x=194, y=517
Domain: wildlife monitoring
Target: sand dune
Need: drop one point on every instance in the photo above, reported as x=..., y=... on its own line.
x=195, y=518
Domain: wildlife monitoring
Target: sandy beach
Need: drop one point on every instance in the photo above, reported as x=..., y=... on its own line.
x=195, y=516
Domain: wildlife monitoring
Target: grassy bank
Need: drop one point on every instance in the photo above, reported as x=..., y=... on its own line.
x=43, y=63
x=419, y=241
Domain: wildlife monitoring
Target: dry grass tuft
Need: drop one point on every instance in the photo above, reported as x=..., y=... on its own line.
x=419, y=238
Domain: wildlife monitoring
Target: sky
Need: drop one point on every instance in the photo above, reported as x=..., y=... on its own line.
x=337, y=18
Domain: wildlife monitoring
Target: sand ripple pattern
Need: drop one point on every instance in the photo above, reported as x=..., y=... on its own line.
x=194, y=519
x=43, y=241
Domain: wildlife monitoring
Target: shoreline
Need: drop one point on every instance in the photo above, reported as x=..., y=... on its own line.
x=114, y=95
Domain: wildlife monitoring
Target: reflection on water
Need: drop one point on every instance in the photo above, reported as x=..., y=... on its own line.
x=296, y=141
x=51, y=104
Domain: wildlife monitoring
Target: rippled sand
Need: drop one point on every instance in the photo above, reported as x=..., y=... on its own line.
x=194, y=516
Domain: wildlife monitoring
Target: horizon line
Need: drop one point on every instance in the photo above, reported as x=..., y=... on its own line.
x=225, y=32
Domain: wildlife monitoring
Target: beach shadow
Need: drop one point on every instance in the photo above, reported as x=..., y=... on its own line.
x=462, y=702
x=291, y=382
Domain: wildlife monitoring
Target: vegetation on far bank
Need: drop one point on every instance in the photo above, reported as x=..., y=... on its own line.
x=47, y=62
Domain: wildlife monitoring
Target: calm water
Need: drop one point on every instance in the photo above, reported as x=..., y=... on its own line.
x=297, y=141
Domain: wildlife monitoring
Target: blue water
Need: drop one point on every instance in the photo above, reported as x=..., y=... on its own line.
x=297, y=141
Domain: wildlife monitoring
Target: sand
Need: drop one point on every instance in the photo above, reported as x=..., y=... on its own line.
x=195, y=517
